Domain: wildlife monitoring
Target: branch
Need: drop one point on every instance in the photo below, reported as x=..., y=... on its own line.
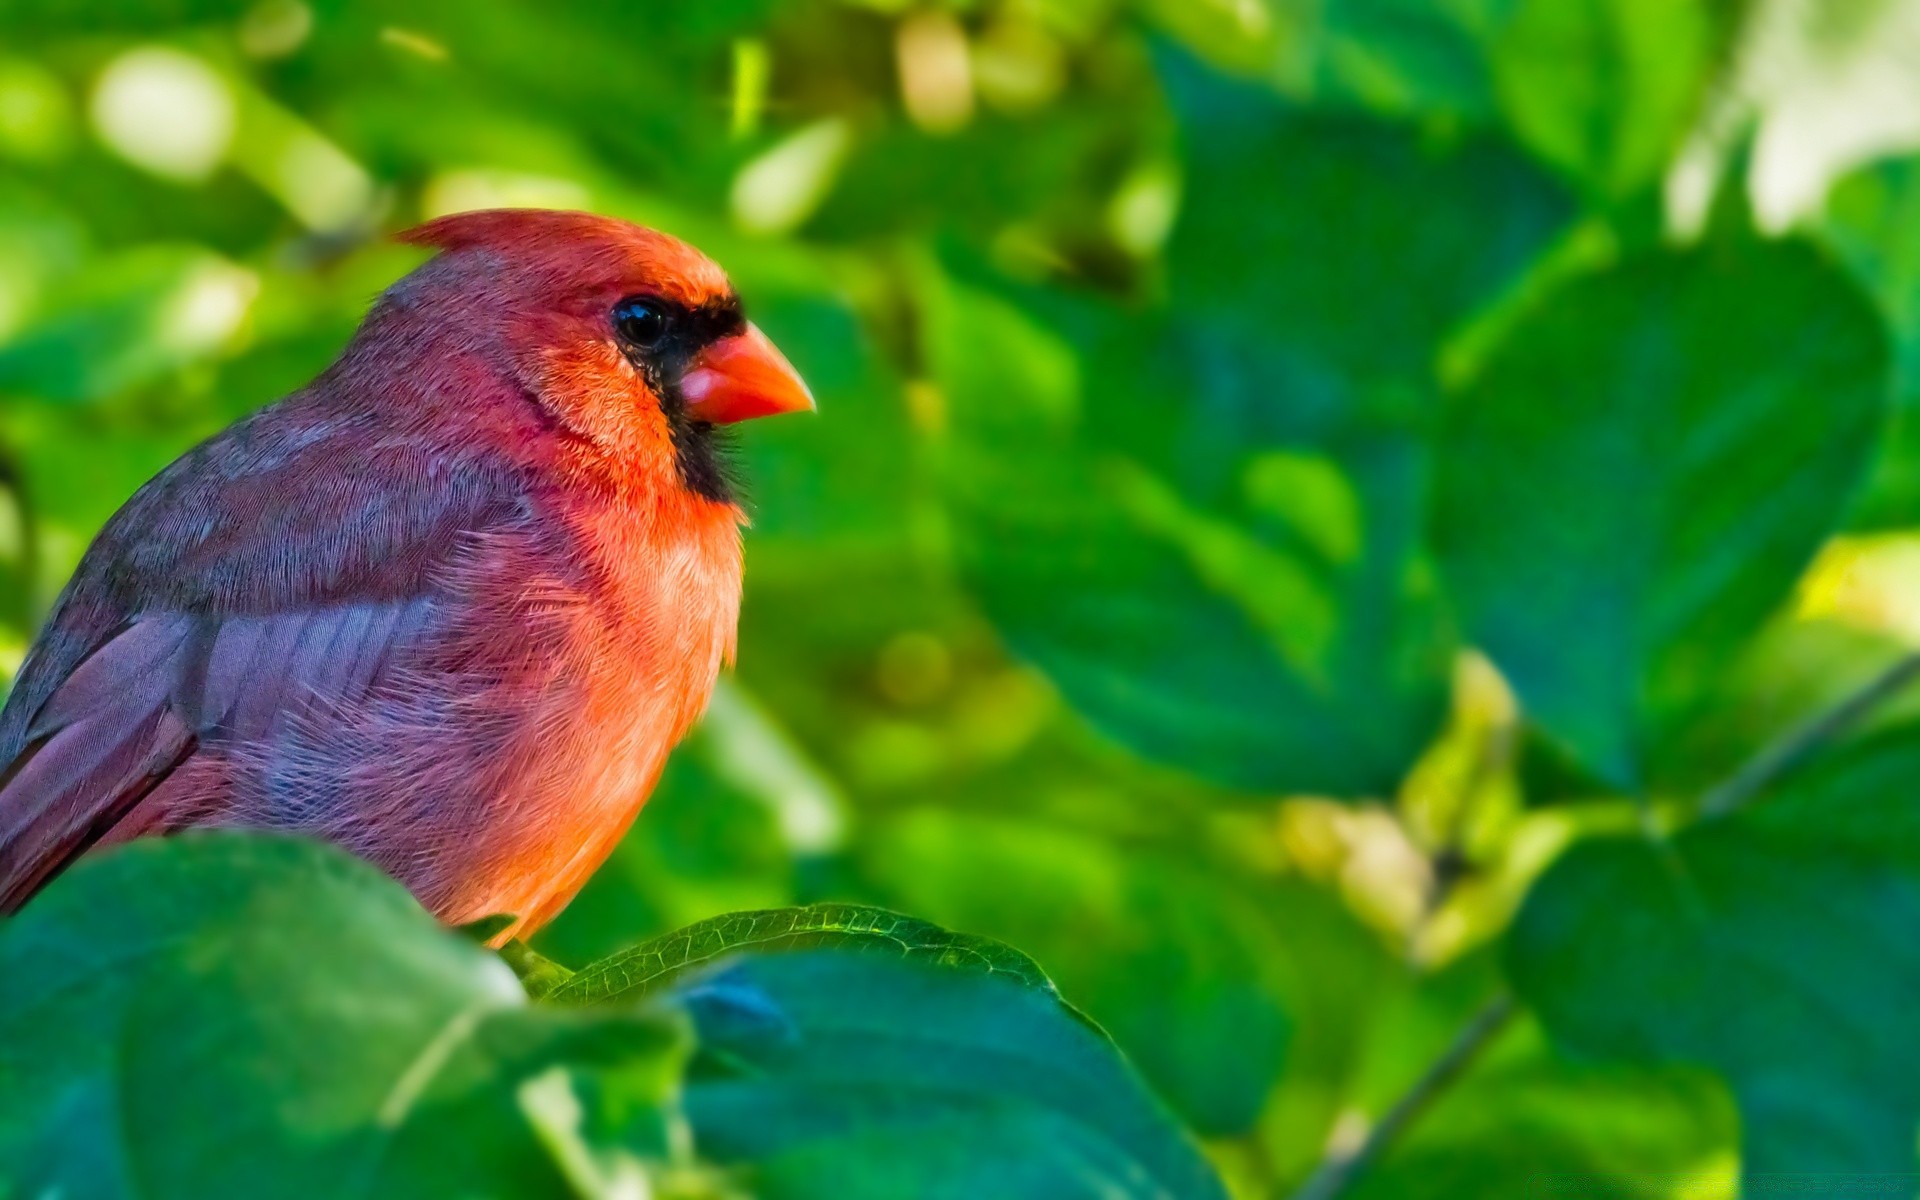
x=1794, y=746
x=1339, y=1168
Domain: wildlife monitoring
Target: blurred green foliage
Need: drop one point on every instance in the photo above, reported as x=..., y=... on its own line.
x=1308, y=498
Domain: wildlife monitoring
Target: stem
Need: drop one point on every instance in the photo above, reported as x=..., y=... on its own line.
x=1793, y=747
x=538, y=973
x=1338, y=1169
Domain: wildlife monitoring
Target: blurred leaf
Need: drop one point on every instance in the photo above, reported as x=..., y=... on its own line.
x=871, y=1076
x=1873, y=221
x=1638, y=475
x=1608, y=1132
x=1204, y=527
x=841, y=483
x=1188, y=638
x=1296, y=245
x=1425, y=57
x=1794, y=669
x=41, y=243
x=1808, y=93
x=651, y=966
x=1773, y=946
x=1603, y=89
x=124, y=321
x=213, y=1015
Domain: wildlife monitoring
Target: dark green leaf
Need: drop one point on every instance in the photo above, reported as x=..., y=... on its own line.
x=1775, y=946
x=1204, y=525
x=1636, y=478
x=876, y=1076
x=1186, y=971
x=1296, y=242
x=214, y=1015
x=1414, y=57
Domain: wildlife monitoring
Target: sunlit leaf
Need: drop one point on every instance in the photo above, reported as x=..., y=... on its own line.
x=1604, y=89
x=1873, y=221
x=124, y=321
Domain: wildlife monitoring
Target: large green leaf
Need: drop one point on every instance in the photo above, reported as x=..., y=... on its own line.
x=1204, y=523
x=1633, y=482
x=1186, y=635
x=1601, y=89
x=1297, y=244
x=1189, y=973
x=1775, y=946
x=233, y=1015
x=852, y=1051
x=875, y=1076
x=217, y=1015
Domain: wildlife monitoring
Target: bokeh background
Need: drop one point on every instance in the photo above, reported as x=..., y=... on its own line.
x=1314, y=503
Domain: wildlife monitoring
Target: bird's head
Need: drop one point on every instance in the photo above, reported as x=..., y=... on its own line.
x=627, y=340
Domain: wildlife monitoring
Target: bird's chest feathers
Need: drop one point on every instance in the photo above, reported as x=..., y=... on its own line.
x=621, y=628
x=658, y=602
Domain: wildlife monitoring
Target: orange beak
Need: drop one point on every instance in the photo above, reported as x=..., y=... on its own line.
x=741, y=377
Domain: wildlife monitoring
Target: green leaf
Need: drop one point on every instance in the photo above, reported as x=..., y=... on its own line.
x=1176, y=628
x=653, y=965
x=1775, y=946
x=1297, y=244
x=1188, y=972
x=1640, y=472
x=1873, y=222
x=849, y=1050
x=1410, y=57
x=125, y=320
x=218, y=1015
x=1604, y=1131
x=875, y=1076
x=1603, y=89
x=1204, y=523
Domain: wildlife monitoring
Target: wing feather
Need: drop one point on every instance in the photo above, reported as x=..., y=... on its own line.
x=275, y=570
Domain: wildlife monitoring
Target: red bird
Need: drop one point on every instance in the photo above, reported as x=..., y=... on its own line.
x=449, y=606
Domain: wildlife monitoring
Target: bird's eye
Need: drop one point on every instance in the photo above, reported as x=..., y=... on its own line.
x=641, y=323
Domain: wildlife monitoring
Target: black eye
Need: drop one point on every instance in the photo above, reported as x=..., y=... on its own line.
x=640, y=323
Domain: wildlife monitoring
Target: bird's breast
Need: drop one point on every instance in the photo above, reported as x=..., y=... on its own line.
x=640, y=619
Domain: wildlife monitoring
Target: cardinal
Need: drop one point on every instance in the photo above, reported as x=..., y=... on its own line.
x=449, y=606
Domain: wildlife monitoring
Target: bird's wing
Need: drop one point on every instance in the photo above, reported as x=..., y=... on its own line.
x=277, y=568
